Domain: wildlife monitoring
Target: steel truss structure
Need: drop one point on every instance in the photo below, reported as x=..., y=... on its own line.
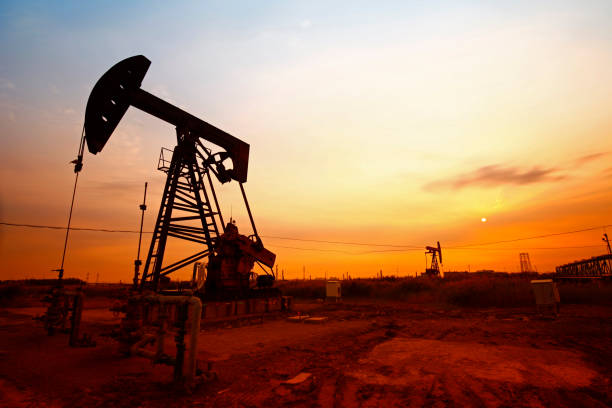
x=189, y=196
x=525, y=262
x=598, y=267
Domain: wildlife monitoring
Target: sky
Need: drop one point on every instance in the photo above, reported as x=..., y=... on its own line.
x=392, y=125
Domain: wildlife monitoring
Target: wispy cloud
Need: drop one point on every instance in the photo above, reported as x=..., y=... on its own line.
x=589, y=158
x=496, y=175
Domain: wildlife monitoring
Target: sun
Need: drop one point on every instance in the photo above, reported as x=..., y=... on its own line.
x=483, y=219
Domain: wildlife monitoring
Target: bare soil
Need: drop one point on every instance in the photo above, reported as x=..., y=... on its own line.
x=368, y=353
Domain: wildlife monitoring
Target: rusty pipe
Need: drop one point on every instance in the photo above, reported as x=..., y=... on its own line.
x=196, y=315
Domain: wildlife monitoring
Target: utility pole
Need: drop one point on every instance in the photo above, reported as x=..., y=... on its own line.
x=303, y=272
x=137, y=261
x=605, y=238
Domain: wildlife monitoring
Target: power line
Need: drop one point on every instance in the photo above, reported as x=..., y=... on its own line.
x=492, y=249
x=315, y=249
x=514, y=249
x=399, y=248
x=267, y=237
x=55, y=227
x=345, y=243
x=421, y=249
x=528, y=238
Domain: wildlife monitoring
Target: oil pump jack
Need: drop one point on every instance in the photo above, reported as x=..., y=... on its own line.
x=190, y=211
x=189, y=207
x=434, y=266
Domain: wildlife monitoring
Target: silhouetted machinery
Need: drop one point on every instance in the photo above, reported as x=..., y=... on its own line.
x=597, y=267
x=189, y=207
x=434, y=266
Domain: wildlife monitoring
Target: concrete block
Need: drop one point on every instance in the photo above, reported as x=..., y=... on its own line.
x=297, y=319
x=316, y=320
x=298, y=379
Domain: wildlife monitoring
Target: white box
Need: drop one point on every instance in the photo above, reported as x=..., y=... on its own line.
x=333, y=289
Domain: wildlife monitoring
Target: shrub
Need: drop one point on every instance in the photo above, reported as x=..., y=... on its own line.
x=8, y=294
x=588, y=292
x=489, y=292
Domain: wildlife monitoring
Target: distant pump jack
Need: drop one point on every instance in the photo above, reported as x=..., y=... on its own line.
x=436, y=260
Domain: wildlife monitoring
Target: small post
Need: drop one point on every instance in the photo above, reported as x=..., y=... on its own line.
x=183, y=311
x=196, y=316
x=75, y=319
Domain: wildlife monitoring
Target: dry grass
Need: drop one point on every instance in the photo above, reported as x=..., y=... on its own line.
x=477, y=291
x=473, y=291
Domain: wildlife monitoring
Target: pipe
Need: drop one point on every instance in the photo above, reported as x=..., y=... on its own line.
x=137, y=348
x=196, y=315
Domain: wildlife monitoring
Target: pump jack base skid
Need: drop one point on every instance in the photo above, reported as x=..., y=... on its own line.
x=221, y=313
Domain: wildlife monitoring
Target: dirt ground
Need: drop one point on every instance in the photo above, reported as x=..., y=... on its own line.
x=367, y=354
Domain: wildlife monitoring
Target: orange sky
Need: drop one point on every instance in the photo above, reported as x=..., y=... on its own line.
x=398, y=125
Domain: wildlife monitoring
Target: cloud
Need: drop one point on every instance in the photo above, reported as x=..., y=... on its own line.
x=589, y=158
x=496, y=175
